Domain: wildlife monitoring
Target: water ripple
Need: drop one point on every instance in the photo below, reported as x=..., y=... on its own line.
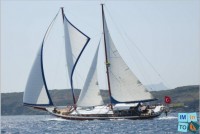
x=51, y=125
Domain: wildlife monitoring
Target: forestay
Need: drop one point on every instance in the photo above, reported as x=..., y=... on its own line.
x=90, y=94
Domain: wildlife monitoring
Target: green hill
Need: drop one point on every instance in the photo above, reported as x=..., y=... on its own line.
x=185, y=99
x=12, y=103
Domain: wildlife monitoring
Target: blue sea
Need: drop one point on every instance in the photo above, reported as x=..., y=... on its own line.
x=47, y=124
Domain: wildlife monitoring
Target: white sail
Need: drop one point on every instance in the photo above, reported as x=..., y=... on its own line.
x=125, y=87
x=35, y=92
x=90, y=94
x=75, y=41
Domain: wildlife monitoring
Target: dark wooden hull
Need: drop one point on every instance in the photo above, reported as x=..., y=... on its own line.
x=104, y=117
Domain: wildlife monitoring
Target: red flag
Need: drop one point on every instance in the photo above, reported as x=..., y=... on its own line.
x=167, y=99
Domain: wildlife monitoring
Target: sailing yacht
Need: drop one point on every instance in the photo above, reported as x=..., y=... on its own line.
x=127, y=95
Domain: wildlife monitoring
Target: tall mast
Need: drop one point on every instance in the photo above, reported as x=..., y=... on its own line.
x=63, y=14
x=106, y=56
x=74, y=100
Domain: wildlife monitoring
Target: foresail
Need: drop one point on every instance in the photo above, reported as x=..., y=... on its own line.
x=36, y=92
x=125, y=87
x=90, y=94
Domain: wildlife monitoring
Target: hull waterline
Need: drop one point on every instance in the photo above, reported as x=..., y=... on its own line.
x=103, y=116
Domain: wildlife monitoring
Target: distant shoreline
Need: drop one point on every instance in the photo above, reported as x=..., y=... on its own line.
x=184, y=99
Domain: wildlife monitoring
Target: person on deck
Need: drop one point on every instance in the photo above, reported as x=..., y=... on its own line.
x=166, y=111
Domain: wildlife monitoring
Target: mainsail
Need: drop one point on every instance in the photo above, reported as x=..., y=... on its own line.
x=90, y=94
x=124, y=85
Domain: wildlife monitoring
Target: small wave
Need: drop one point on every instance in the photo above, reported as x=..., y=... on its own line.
x=121, y=119
x=55, y=119
x=118, y=119
x=167, y=118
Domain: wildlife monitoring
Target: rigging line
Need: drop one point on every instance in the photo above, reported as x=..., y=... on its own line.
x=42, y=66
x=143, y=71
x=46, y=38
x=41, y=61
x=58, y=61
x=127, y=47
x=91, y=27
x=147, y=61
x=138, y=50
x=50, y=28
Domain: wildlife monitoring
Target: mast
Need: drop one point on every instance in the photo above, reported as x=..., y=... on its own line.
x=63, y=14
x=74, y=100
x=106, y=56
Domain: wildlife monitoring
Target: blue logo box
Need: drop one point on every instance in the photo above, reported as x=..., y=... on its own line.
x=192, y=117
x=184, y=119
x=182, y=127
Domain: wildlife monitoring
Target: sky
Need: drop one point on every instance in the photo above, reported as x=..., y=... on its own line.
x=158, y=39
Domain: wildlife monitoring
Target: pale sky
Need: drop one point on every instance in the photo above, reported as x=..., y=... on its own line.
x=167, y=32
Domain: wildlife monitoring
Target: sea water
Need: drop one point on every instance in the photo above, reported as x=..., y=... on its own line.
x=47, y=124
